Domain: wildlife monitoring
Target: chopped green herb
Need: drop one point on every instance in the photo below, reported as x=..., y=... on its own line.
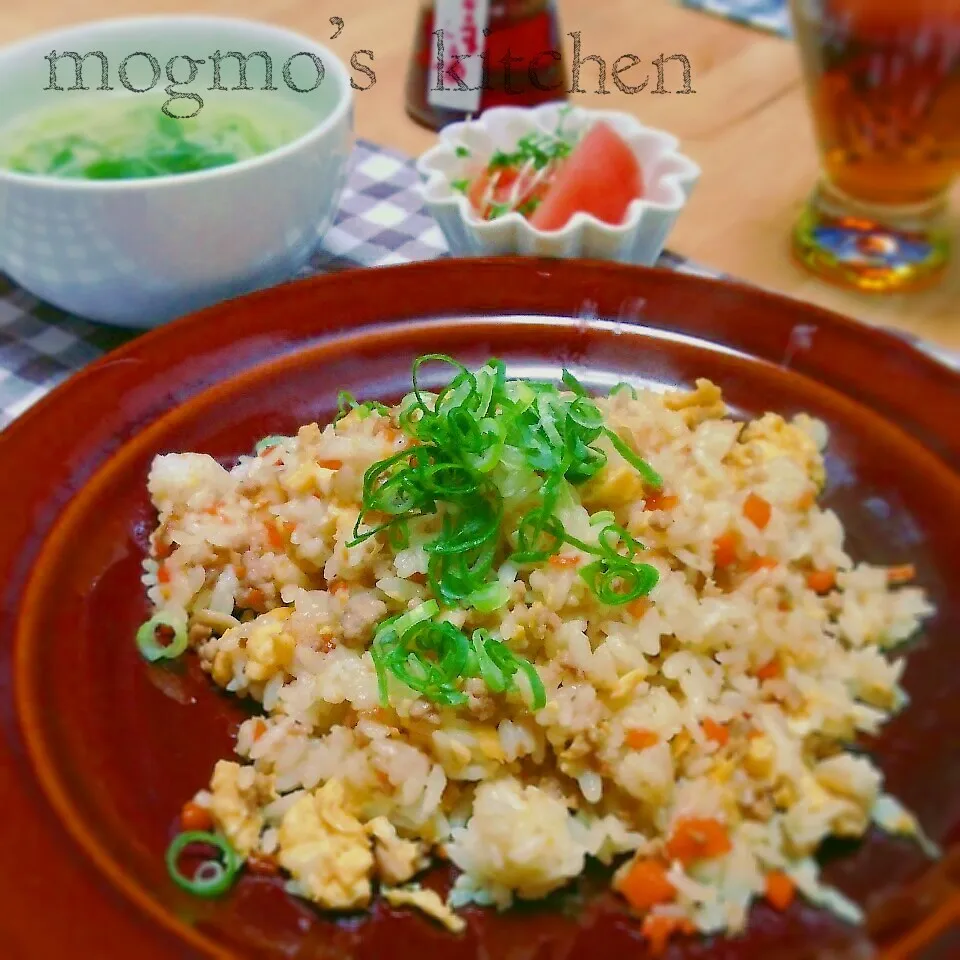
x=528, y=206
x=266, y=443
x=462, y=151
x=497, y=210
x=215, y=875
x=473, y=444
x=433, y=658
x=162, y=637
x=346, y=403
x=461, y=186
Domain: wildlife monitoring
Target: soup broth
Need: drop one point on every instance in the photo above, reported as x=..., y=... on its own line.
x=130, y=137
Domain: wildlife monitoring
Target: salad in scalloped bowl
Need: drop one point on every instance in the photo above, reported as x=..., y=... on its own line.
x=556, y=181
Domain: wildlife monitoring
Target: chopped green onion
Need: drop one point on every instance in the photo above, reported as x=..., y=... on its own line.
x=611, y=536
x=537, y=692
x=274, y=440
x=346, y=402
x=426, y=610
x=162, y=637
x=480, y=442
x=602, y=517
x=640, y=465
x=214, y=876
x=617, y=583
x=461, y=151
x=621, y=387
x=573, y=383
x=490, y=597
x=461, y=186
x=492, y=675
x=433, y=657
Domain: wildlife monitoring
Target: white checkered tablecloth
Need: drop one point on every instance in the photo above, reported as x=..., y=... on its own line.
x=381, y=221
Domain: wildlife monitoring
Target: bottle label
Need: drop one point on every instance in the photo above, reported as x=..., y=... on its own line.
x=455, y=78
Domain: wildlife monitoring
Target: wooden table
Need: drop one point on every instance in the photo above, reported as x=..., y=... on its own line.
x=747, y=124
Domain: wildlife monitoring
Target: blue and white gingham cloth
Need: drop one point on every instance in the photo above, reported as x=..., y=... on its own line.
x=771, y=15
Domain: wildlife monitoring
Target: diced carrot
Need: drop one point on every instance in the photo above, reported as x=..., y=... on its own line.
x=263, y=864
x=646, y=884
x=769, y=671
x=273, y=535
x=330, y=464
x=340, y=588
x=725, y=549
x=756, y=563
x=806, y=499
x=821, y=581
x=195, y=817
x=325, y=643
x=638, y=608
x=697, y=838
x=255, y=598
x=640, y=739
x=259, y=729
x=757, y=511
x=162, y=549
x=716, y=731
x=779, y=890
x=265, y=452
x=659, y=501
x=564, y=560
x=902, y=574
x=163, y=574
x=658, y=929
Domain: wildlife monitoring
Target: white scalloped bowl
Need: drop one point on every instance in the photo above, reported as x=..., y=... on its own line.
x=669, y=178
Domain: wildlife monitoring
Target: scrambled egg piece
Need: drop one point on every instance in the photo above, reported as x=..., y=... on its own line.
x=397, y=859
x=237, y=797
x=771, y=436
x=326, y=849
x=628, y=683
x=269, y=649
x=429, y=902
x=704, y=403
x=617, y=485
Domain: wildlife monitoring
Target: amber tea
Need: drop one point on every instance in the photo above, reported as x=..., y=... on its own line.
x=883, y=79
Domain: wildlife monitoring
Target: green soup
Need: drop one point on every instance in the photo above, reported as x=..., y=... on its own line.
x=126, y=138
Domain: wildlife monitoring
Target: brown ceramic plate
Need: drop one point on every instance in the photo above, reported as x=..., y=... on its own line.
x=99, y=749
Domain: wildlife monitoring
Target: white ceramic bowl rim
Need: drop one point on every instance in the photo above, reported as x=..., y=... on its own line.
x=119, y=25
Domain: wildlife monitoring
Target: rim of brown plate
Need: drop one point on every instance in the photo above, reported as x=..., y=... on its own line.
x=492, y=290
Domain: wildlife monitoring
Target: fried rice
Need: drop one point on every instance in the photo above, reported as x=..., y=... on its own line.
x=698, y=740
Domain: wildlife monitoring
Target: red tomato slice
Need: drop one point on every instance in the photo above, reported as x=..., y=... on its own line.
x=477, y=190
x=504, y=177
x=601, y=177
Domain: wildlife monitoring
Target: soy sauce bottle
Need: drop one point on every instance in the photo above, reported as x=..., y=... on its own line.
x=506, y=52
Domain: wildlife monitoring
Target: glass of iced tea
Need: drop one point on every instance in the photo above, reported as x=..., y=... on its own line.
x=883, y=77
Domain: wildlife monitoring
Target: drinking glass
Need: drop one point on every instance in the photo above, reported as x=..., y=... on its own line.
x=883, y=78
